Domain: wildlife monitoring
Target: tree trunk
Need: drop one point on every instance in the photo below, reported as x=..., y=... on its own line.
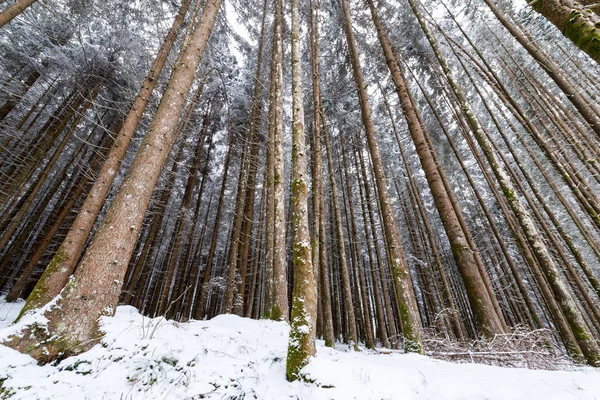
x=405, y=296
x=575, y=21
x=279, y=307
x=15, y=9
x=95, y=288
x=182, y=227
x=248, y=214
x=28, y=199
x=319, y=256
x=200, y=303
x=576, y=322
x=587, y=111
x=304, y=299
x=365, y=298
x=341, y=244
x=487, y=321
x=63, y=263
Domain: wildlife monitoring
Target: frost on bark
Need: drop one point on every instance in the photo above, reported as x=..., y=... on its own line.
x=94, y=290
x=575, y=21
x=64, y=261
x=577, y=323
x=304, y=300
x=409, y=314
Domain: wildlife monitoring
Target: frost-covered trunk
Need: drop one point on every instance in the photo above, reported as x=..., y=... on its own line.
x=304, y=299
x=64, y=261
x=486, y=319
x=575, y=319
x=94, y=290
x=405, y=297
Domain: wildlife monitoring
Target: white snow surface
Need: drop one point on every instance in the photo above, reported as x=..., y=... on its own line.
x=230, y=357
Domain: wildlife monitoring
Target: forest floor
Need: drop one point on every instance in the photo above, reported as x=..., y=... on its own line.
x=230, y=357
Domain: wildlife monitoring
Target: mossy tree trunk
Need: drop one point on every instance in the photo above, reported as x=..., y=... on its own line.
x=304, y=299
x=279, y=303
x=592, y=5
x=63, y=264
x=576, y=322
x=487, y=321
x=319, y=240
x=95, y=288
x=576, y=21
x=405, y=297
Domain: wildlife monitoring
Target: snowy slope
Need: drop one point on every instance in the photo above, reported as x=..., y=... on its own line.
x=237, y=358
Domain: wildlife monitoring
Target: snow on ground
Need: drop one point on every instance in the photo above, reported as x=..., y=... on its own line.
x=9, y=311
x=236, y=358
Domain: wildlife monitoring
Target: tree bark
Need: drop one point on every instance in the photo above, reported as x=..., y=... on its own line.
x=304, y=299
x=575, y=21
x=199, y=307
x=182, y=227
x=11, y=12
x=319, y=257
x=487, y=321
x=365, y=298
x=279, y=307
x=248, y=214
x=341, y=244
x=587, y=111
x=586, y=342
x=95, y=288
x=63, y=263
x=405, y=296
